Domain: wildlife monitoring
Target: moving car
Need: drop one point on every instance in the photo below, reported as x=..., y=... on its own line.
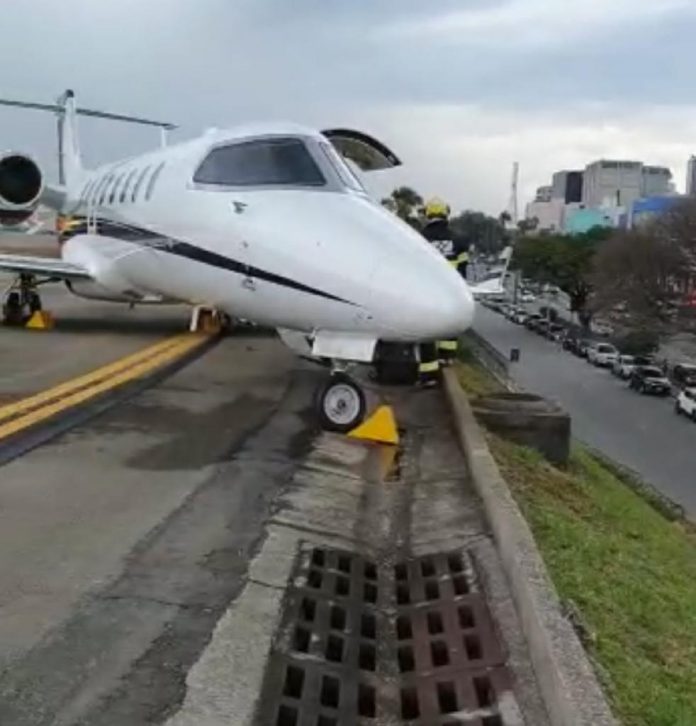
x=650, y=379
x=686, y=403
x=602, y=354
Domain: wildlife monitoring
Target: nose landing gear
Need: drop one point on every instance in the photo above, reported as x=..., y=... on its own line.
x=20, y=301
x=341, y=403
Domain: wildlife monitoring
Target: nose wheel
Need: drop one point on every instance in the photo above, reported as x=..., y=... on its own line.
x=341, y=404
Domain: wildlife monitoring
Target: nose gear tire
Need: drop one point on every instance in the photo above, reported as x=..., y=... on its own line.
x=341, y=404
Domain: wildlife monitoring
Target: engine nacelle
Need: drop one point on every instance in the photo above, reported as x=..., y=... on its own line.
x=21, y=184
x=14, y=217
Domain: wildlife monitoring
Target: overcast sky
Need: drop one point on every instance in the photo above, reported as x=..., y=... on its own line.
x=458, y=88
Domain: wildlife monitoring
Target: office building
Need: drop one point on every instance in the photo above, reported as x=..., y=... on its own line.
x=567, y=185
x=691, y=177
x=543, y=194
x=618, y=183
x=609, y=183
x=657, y=181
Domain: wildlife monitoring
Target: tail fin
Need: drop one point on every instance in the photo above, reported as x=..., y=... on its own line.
x=69, y=162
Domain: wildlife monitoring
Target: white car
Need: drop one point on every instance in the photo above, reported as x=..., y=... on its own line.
x=602, y=354
x=623, y=366
x=527, y=297
x=626, y=364
x=686, y=403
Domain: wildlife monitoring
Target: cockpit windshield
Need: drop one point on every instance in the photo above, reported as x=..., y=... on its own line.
x=261, y=162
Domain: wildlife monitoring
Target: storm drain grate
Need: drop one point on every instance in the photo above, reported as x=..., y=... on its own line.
x=361, y=643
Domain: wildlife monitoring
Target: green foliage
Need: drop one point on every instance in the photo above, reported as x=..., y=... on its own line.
x=629, y=571
x=637, y=342
x=562, y=260
x=486, y=233
x=405, y=203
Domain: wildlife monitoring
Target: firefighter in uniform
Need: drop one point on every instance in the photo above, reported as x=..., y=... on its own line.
x=438, y=232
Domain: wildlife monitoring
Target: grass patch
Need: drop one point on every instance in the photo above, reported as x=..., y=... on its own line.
x=473, y=377
x=629, y=571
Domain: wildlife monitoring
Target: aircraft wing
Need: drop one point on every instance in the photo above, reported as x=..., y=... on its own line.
x=44, y=266
x=488, y=288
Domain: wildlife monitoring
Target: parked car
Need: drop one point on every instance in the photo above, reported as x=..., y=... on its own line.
x=623, y=366
x=650, y=379
x=602, y=354
x=584, y=347
x=533, y=320
x=686, y=403
x=520, y=317
x=555, y=332
x=684, y=375
x=527, y=297
x=542, y=327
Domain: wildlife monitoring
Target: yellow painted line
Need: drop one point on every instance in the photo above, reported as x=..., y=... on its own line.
x=63, y=389
x=66, y=402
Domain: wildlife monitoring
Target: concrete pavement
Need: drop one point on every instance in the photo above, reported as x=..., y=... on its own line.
x=123, y=541
x=641, y=432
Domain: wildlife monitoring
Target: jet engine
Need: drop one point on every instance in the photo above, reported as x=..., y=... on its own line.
x=21, y=184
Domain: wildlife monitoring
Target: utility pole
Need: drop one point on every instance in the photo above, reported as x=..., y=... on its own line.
x=513, y=210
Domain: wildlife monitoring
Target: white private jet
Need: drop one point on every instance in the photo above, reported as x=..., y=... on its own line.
x=266, y=222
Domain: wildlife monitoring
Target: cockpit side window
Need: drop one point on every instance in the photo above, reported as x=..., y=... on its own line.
x=263, y=162
x=345, y=173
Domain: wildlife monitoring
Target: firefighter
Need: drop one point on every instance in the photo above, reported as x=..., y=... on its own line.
x=438, y=232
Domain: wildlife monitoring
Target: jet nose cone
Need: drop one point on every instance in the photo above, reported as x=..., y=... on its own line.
x=452, y=307
x=424, y=301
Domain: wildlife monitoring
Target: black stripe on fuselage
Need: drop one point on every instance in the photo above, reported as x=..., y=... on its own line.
x=148, y=238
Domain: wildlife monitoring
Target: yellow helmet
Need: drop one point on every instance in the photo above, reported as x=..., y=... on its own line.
x=435, y=207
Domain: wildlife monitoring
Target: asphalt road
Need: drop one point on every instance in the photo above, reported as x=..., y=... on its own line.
x=641, y=432
x=123, y=541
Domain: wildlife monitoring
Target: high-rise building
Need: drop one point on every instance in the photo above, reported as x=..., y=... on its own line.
x=609, y=183
x=691, y=176
x=657, y=181
x=567, y=185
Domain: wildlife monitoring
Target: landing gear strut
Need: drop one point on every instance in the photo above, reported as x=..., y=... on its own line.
x=341, y=403
x=21, y=301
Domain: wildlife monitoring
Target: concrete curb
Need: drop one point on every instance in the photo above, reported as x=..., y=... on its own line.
x=566, y=679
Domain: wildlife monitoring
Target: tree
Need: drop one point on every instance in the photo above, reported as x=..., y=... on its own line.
x=564, y=261
x=405, y=202
x=527, y=225
x=645, y=271
x=485, y=232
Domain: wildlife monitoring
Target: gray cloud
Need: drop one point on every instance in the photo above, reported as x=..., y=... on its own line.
x=442, y=83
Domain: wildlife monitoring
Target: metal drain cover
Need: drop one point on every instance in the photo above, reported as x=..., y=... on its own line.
x=361, y=643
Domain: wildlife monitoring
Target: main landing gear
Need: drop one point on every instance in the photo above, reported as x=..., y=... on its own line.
x=341, y=403
x=20, y=301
